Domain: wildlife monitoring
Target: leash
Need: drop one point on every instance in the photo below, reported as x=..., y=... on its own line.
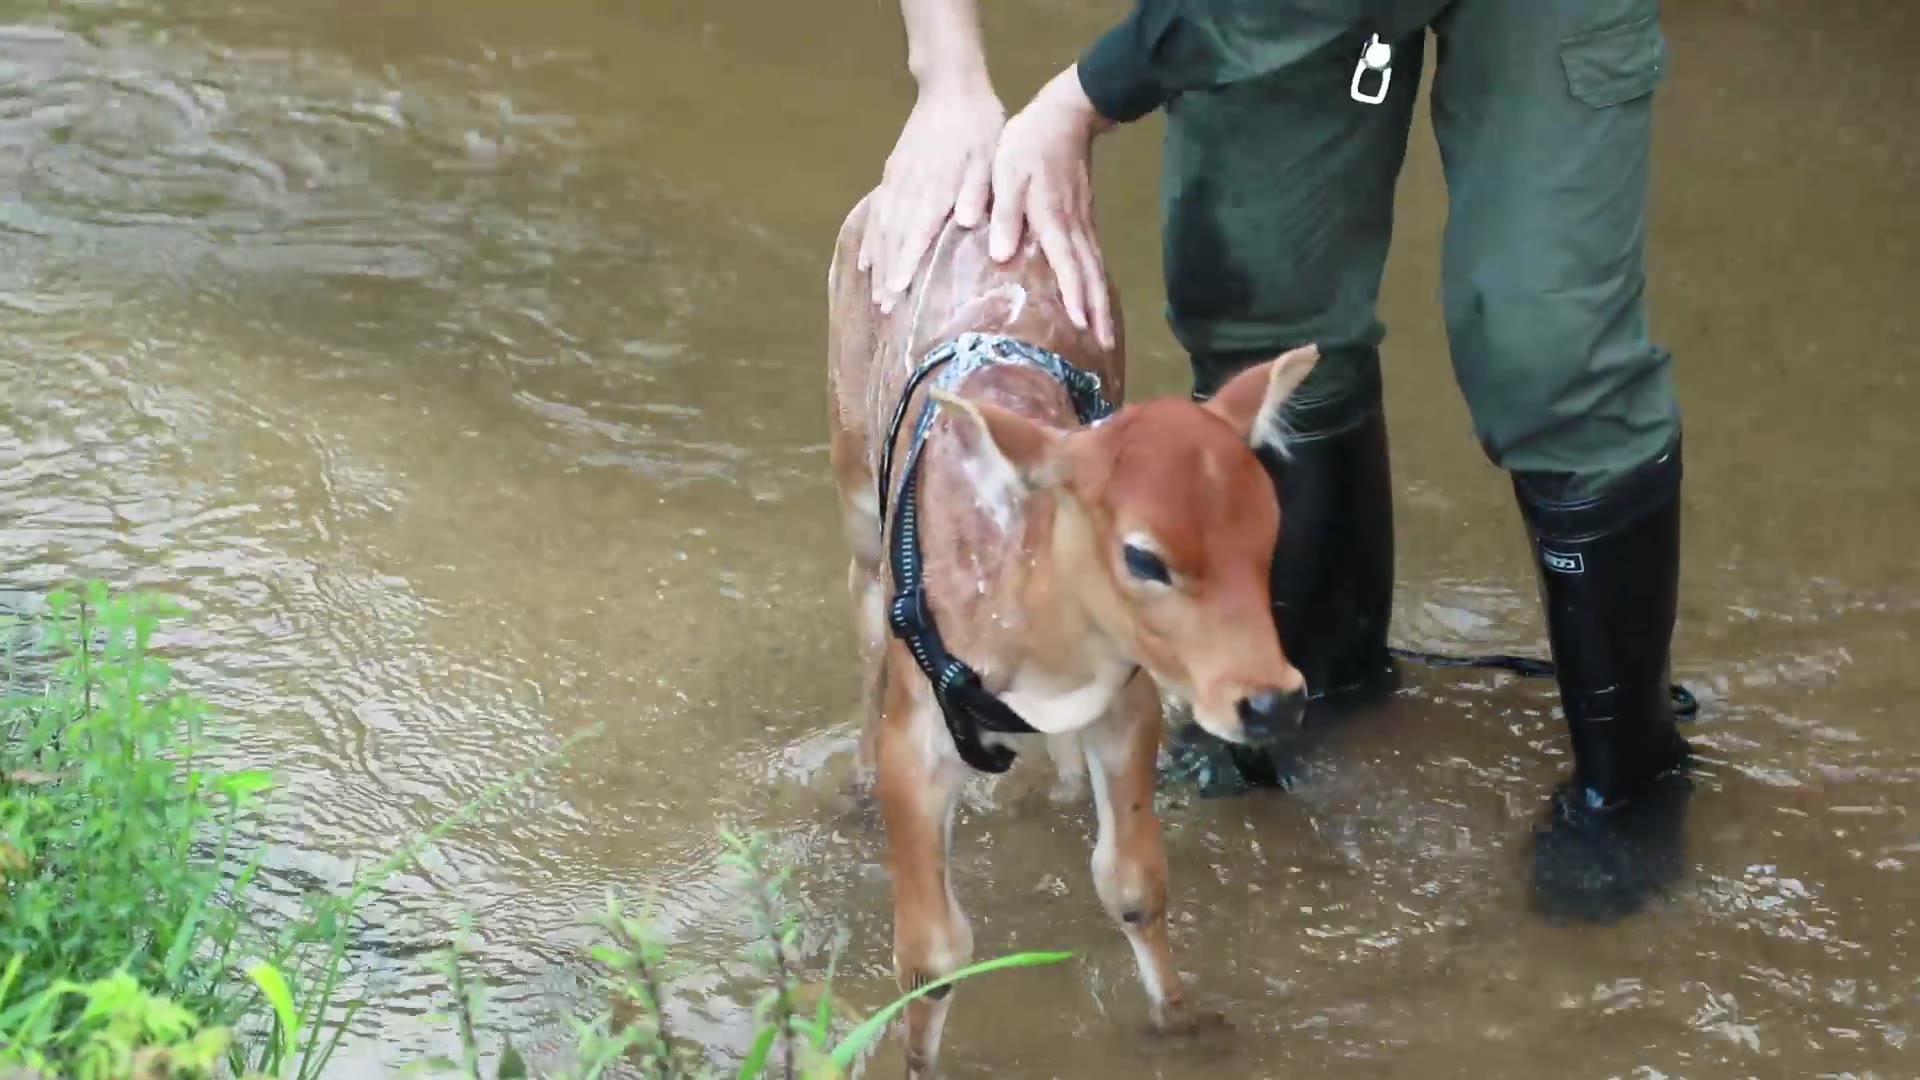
x=966, y=705
x=1685, y=705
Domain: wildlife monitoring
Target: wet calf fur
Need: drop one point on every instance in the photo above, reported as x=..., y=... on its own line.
x=1082, y=571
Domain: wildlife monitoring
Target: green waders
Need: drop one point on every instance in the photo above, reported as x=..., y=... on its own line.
x=1277, y=195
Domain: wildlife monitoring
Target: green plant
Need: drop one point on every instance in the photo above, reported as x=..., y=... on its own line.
x=790, y=1041
x=130, y=946
x=125, y=911
x=108, y=1029
x=805, y=1040
x=311, y=951
x=114, y=841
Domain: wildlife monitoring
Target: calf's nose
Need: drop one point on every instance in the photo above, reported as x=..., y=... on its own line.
x=1271, y=713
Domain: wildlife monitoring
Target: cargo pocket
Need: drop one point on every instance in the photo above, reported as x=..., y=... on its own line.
x=1615, y=65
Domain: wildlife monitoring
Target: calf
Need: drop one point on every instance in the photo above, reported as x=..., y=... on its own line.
x=1041, y=575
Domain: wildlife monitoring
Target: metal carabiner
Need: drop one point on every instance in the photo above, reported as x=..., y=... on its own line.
x=1375, y=56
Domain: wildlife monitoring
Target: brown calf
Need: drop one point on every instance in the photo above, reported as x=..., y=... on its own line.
x=1074, y=567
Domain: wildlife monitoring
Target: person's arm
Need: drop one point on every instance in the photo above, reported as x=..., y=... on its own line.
x=1041, y=174
x=1042, y=181
x=1167, y=47
x=944, y=51
x=942, y=164
x=1117, y=71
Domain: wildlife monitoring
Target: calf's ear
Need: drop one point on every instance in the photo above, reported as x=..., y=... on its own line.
x=1252, y=401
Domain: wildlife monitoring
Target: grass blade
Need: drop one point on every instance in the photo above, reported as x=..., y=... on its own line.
x=861, y=1037
x=757, y=1056
x=825, y=1016
x=13, y=972
x=274, y=986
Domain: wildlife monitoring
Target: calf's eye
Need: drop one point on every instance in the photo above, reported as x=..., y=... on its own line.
x=1145, y=565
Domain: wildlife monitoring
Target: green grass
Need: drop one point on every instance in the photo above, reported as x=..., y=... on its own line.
x=133, y=949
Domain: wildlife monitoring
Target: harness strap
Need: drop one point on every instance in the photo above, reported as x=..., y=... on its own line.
x=966, y=705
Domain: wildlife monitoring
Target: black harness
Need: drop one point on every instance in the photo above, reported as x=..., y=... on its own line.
x=967, y=705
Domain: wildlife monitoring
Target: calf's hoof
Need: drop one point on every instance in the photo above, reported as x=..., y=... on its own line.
x=1182, y=1021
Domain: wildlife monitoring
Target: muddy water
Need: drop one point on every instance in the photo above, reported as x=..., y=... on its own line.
x=460, y=367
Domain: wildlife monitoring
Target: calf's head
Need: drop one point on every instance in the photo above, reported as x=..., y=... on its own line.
x=1164, y=531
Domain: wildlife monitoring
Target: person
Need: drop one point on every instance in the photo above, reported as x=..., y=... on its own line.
x=1286, y=127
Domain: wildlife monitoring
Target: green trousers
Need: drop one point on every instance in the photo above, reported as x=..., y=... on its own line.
x=1277, y=196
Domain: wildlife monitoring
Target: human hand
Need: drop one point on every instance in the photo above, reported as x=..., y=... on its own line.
x=1042, y=179
x=940, y=166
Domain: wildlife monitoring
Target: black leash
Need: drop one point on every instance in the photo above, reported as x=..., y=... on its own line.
x=1685, y=705
x=968, y=707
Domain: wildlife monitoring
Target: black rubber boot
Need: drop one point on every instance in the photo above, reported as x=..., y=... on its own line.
x=1609, y=573
x=1332, y=586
